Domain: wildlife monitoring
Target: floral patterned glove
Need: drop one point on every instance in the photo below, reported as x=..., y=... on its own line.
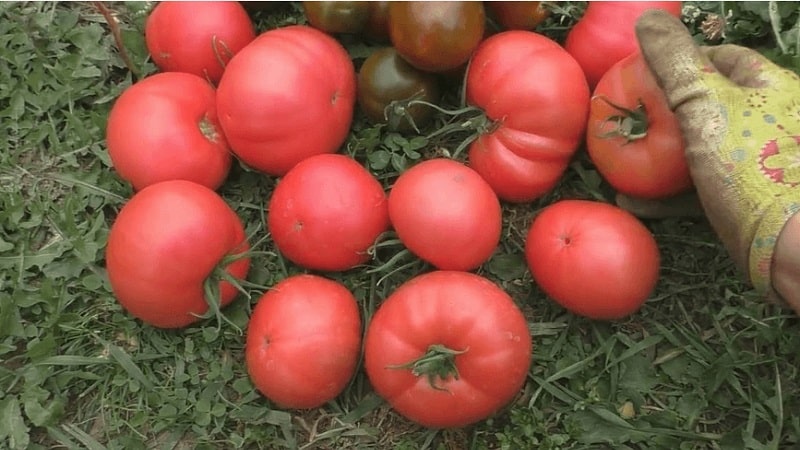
x=740, y=116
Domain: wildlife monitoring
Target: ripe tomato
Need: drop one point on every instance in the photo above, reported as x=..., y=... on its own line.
x=288, y=95
x=197, y=37
x=536, y=98
x=165, y=243
x=303, y=341
x=594, y=259
x=165, y=127
x=605, y=34
x=377, y=28
x=447, y=349
x=386, y=77
x=337, y=16
x=446, y=214
x=436, y=36
x=633, y=137
x=326, y=213
x=518, y=15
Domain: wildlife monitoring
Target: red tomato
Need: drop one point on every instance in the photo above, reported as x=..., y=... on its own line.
x=605, y=34
x=165, y=127
x=446, y=214
x=288, y=95
x=436, y=36
x=536, y=98
x=447, y=349
x=327, y=212
x=303, y=341
x=197, y=37
x=633, y=137
x=164, y=244
x=594, y=259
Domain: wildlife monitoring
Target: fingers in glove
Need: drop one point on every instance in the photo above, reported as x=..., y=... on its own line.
x=748, y=68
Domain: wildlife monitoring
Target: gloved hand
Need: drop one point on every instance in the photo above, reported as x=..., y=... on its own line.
x=740, y=117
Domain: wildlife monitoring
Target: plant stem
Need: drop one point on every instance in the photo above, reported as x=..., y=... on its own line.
x=113, y=25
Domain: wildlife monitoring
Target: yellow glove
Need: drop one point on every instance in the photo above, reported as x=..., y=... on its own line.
x=740, y=116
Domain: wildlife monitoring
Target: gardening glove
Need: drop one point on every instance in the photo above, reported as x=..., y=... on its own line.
x=740, y=117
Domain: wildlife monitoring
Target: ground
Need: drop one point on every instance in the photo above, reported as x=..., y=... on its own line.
x=706, y=364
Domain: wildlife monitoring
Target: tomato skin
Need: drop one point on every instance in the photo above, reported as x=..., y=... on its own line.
x=605, y=34
x=326, y=212
x=594, y=259
x=446, y=214
x=337, y=16
x=385, y=77
x=436, y=36
x=165, y=127
x=163, y=245
x=537, y=97
x=459, y=310
x=288, y=362
x=194, y=37
x=651, y=167
x=288, y=95
x=518, y=15
x=377, y=28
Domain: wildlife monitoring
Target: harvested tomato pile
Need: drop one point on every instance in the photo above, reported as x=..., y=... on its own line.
x=447, y=340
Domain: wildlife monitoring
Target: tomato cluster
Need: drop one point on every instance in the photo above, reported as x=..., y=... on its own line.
x=448, y=347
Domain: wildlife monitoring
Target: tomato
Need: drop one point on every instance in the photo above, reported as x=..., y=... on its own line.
x=165, y=127
x=518, y=15
x=327, y=212
x=446, y=214
x=197, y=37
x=303, y=341
x=633, y=137
x=167, y=240
x=536, y=100
x=594, y=259
x=377, y=28
x=385, y=77
x=436, y=36
x=288, y=95
x=337, y=16
x=447, y=349
x=605, y=34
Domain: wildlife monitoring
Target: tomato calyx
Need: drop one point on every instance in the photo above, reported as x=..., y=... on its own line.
x=208, y=130
x=630, y=124
x=438, y=361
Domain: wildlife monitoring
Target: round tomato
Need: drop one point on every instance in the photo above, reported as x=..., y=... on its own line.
x=197, y=37
x=327, y=212
x=288, y=95
x=592, y=258
x=633, y=137
x=165, y=127
x=385, y=77
x=447, y=349
x=605, y=34
x=165, y=243
x=518, y=15
x=303, y=341
x=536, y=99
x=446, y=214
x=337, y=16
x=436, y=36
x=377, y=28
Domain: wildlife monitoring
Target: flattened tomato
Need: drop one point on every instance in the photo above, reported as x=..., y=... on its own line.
x=446, y=214
x=327, y=212
x=303, y=341
x=592, y=258
x=633, y=137
x=605, y=34
x=447, y=349
x=536, y=98
x=165, y=127
x=288, y=95
x=197, y=37
x=164, y=244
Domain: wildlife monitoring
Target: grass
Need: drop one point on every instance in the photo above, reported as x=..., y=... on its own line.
x=704, y=365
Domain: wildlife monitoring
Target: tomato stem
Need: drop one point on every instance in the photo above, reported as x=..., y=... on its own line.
x=477, y=124
x=631, y=124
x=437, y=362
